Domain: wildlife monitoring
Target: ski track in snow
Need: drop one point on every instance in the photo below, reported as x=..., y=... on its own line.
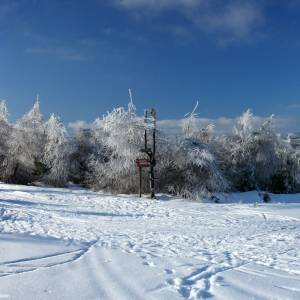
x=13, y=267
x=196, y=246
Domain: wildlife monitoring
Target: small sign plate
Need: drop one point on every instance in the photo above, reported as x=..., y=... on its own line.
x=142, y=162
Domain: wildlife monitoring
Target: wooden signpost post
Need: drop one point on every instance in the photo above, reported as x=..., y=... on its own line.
x=141, y=163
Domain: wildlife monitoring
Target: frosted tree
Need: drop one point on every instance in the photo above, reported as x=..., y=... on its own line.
x=26, y=147
x=103, y=156
x=119, y=135
x=192, y=164
x=5, y=132
x=295, y=171
x=266, y=156
x=238, y=153
x=84, y=148
x=3, y=112
x=254, y=157
x=244, y=125
x=57, y=152
x=191, y=127
x=120, y=142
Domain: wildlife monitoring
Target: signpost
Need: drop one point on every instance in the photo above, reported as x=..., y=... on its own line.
x=150, y=162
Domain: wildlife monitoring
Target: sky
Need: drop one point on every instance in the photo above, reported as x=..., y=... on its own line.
x=82, y=56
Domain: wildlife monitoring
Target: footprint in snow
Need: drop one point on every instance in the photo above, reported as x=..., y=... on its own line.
x=169, y=271
x=149, y=263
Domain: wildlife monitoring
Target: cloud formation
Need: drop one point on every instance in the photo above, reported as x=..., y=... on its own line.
x=79, y=125
x=233, y=22
x=222, y=125
x=159, y=4
x=227, y=21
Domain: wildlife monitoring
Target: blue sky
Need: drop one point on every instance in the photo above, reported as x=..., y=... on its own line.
x=82, y=56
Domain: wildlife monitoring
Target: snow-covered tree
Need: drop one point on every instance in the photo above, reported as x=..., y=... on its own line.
x=57, y=152
x=3, y=112
x=103, y=156
x=190, y=124
x=119, y=135
x=244, y=125
x=5, y=132
x=26, y=147
x=255, y=157
x=84, y=148
x=190, y=162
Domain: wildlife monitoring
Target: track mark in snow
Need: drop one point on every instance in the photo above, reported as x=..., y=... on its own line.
x=169, y=271
x=288, y=288
x=109, y=271
x=13, y=267
x=197, y=285
x=149, y=263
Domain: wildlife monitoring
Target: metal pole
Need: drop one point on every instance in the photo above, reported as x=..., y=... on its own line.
x=152, y=158
x=145, y=134
x=152, y=187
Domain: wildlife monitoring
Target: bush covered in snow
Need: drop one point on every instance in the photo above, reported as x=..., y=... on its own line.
x=257, y=158
x=190, y=164
x=118, y=137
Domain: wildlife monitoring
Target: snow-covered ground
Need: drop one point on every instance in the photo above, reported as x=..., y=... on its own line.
x=77, y=244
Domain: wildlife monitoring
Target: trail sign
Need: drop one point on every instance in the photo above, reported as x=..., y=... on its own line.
x=141, y=162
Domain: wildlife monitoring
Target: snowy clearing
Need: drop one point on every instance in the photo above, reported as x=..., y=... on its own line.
x=77, y=244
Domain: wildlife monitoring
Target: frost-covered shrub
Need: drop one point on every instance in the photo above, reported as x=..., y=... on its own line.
x=198, y=169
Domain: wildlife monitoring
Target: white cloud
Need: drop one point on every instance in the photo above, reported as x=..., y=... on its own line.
x=233, y=22
x=222, y=125
x=227, y=21
x=158, y=4
x=225, y=125
x=79, y=125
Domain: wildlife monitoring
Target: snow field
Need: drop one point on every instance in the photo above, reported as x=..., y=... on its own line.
x=66, y=243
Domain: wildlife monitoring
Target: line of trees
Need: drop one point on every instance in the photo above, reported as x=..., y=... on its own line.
x=192, y=164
